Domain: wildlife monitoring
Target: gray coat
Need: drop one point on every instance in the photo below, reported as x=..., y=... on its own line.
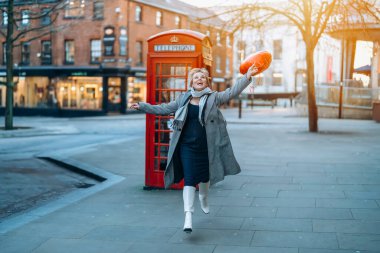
x=222, y=161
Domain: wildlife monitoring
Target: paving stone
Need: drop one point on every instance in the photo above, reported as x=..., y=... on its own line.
x=209, y=236
x=347, y=226
x=346, y=203
x=313, y=213
x=208, y=222
x=359, y=242
x=17, y=244
x=283, y=202
x=366, y=214
x=131, y=234
x=277, y=224
x=233, y=201
x=169, y=248
x=314, y=180
x=233, y=211
x=302, y=250
x=238, y=249
x=295, y=239
x=82, y=246
x=333, y=187
x=362, y=194
x=311, y=194
x=359, y=180
x=66, y=230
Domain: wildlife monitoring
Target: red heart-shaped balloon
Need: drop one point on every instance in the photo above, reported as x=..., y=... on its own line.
x=261, y=59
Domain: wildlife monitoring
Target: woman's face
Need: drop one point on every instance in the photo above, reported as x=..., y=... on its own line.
x=199, y=81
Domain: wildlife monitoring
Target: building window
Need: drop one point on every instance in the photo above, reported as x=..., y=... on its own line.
x=46, y=52
x=98, y=9
x=139, y=53
x=25, y=53
x=228, y=41
x=277, y=49
x=25, y=19
x=208, y=33
x=177, y=21
x=69, y=52
x=45, y=19
x=218, y=39
x=5, y=18
x=4, y=53
x=277, y=79
x=138, y=13
x=217, y=64
x=123, y=39
x=227, y=65
x=96, y=51
x=74, y=8
x=258, y=45
x=158, y=18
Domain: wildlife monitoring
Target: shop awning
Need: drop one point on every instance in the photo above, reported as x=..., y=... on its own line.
x=366, y=70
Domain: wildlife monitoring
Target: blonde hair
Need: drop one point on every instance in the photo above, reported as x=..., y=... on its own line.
x=204, y=71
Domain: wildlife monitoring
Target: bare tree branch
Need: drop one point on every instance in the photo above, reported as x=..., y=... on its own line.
x=38, y=28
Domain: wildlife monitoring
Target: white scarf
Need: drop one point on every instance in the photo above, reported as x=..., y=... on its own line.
x=181, y=113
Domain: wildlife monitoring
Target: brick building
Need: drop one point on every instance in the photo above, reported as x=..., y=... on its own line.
x=97, y=64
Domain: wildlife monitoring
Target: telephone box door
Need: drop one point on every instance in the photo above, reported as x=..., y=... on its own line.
x=169, y=78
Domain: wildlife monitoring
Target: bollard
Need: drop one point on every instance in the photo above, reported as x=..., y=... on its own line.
x=340, y=99
x=239, y=108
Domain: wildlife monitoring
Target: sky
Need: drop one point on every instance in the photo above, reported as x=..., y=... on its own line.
x=208, y=3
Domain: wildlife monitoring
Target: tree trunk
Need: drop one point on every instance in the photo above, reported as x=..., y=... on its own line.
x=9, y=59
x=312, y=105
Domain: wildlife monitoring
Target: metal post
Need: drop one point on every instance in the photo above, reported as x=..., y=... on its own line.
x=239, y=108
x=340, y=99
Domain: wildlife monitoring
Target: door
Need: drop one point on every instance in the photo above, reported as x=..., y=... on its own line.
x=168, y=81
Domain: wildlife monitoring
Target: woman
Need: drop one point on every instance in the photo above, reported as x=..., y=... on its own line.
x=200, y=150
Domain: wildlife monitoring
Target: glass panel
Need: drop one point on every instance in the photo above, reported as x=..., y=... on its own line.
x=174, y=83
x=168, y=69
x=181, y=70
x=163, y=164
x=164, y=151
x=169, y=95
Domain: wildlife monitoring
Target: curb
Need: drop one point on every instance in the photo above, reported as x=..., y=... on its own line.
x=106, y=180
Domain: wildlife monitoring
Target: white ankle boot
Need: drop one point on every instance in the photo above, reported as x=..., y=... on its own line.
x=188, y=206
x=203, y=196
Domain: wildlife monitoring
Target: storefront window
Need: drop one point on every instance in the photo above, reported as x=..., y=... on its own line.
x=34, y=92
x=77, y=92
x=136, y=90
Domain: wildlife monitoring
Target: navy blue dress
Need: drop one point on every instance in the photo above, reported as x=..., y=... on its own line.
x=193, y=149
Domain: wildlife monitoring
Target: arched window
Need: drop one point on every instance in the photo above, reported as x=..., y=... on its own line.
x=138, y=13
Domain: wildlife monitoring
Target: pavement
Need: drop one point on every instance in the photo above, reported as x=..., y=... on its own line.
x=298, y=192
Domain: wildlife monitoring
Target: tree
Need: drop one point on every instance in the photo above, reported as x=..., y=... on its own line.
x=24, y=25
x=312, y=18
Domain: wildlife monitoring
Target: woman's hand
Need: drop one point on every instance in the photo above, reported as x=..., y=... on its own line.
x=252, y=71
x=135, y=106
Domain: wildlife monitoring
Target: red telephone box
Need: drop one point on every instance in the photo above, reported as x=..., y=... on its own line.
x=171, y=55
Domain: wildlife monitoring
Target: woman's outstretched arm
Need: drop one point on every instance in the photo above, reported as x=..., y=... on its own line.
x=237, y=88
x=161, y=109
